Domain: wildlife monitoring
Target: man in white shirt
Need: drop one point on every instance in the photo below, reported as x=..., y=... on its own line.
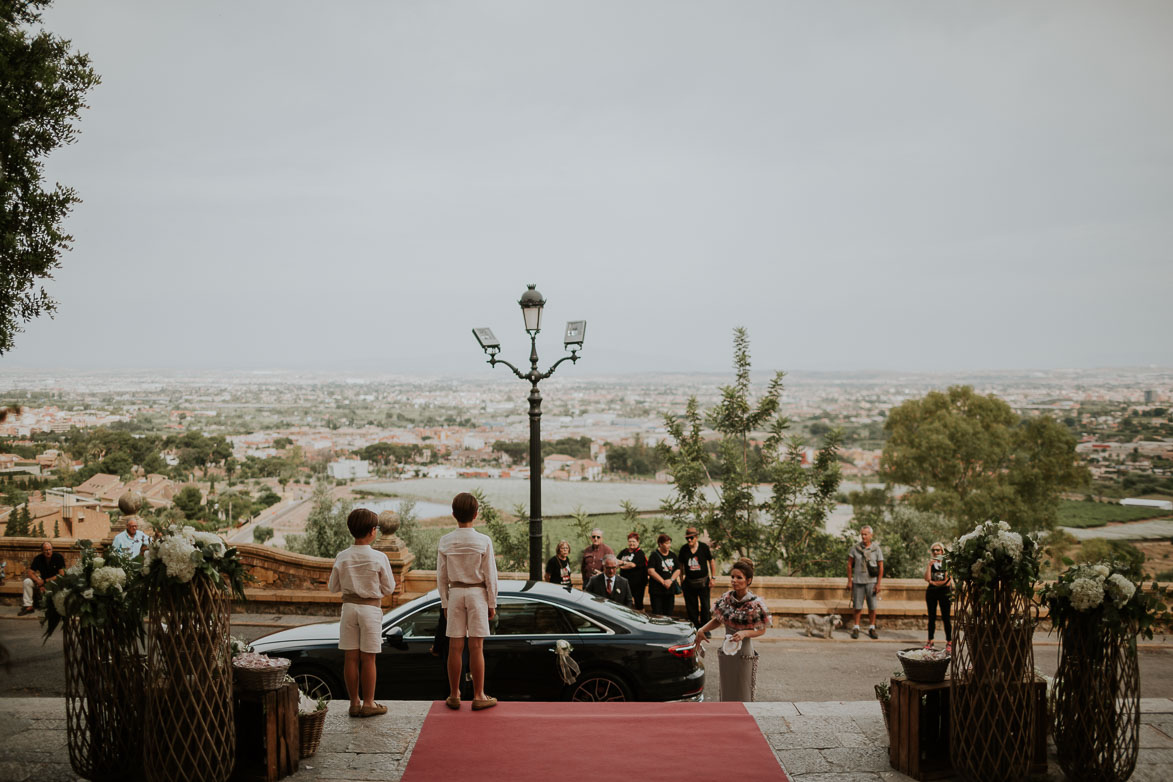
x=131, y=540
x=466, y=577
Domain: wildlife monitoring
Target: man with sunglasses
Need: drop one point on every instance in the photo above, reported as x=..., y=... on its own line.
x=592, y=556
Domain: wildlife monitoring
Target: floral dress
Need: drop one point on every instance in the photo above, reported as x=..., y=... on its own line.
x=739, y=671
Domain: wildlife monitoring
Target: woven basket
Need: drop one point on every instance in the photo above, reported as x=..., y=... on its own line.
x=884, y=710
x=311, y=726
x=268, y=679
x=923, y=670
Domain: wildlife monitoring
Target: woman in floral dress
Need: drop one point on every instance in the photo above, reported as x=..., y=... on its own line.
x=744, y=616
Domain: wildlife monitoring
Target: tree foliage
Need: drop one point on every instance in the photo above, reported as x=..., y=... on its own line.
x=43, y=85
x=325, y=528
x=972, y=459
x=261, y=533
x=510, y=541
x=783, y=533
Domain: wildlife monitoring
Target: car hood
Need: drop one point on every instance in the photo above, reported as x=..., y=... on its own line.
x=321, y=631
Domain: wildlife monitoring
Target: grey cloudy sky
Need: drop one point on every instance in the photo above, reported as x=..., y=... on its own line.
x=864, y=185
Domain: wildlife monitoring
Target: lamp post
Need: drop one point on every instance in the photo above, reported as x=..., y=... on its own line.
x=531, y=310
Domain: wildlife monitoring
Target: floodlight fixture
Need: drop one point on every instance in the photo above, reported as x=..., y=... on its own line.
x=575, y=333
x=487, y=340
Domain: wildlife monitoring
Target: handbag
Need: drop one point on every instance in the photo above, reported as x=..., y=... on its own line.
x=873, y=568
x=676, y=590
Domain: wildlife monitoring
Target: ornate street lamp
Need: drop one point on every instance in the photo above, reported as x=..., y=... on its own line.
x=532, y=303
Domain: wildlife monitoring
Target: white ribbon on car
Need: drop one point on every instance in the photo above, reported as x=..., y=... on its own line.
x=567, y=667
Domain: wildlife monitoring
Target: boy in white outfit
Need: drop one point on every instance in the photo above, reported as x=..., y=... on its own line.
x=466, y=575
x=364, y=578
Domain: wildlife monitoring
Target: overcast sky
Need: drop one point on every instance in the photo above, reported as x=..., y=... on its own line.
x=863, y=185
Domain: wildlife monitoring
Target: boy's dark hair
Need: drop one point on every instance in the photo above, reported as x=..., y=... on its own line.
x=464, y=507
x=361, y=521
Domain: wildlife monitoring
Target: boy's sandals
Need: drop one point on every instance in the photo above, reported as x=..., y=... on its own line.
x=487, y=703
x=355, y=711
x=452, y=702
x=372, y=711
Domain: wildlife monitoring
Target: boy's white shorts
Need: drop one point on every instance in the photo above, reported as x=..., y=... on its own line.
x=468, y=612
x=361, y=628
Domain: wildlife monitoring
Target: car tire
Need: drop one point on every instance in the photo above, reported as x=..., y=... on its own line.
x=599, y=687
x=317, y=683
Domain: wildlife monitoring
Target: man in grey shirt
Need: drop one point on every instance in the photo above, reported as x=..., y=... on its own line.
x=865, y=570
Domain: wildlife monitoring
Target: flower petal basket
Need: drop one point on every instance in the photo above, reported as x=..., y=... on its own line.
x=259, y=679
x=926, y=670
x=310, y=726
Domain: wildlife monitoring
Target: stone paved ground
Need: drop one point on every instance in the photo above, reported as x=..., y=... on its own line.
x=814, y=741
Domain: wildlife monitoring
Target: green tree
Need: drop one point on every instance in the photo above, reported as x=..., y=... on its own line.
x=18, y=523
x=261, y=533
x=325, y=528
x=43, y=85
x=784, y=533
x=510, y=541
x=189, y=500
x=972, y=459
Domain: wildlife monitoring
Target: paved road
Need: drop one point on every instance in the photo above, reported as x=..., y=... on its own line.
x=792, y=667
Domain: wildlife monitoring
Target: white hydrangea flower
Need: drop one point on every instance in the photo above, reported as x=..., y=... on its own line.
x=1120, y=589
x=1008, y=542
x=1086, y=594
x=1003, y=526
x=176, y=551
x=88, y=594
x=106, y=578
x=1101, y=571
x=99, y=562
x=59, y=601
x=76, y=570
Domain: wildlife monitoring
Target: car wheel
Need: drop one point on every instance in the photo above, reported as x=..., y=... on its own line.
x=318, y=684
x=599, y=688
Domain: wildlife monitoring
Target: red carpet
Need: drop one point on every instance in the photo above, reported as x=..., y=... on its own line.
x=544, y=742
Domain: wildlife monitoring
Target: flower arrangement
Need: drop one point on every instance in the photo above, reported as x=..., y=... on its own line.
x=179, y=554
x=308, y=705
x=98, y=590
x=1104, y=593
x=992, y=555
x=238, y=645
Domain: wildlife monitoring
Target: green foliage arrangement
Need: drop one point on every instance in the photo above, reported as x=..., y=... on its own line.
x=783, y=534
x=993, y=554
x=179, y=554
x=98, y=590
x=1105, y=594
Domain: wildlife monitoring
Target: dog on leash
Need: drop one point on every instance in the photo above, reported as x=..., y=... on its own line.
x=822, y=625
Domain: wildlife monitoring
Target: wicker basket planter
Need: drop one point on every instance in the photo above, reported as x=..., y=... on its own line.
x=1096, y=702
x=104, y=707
x=927, y=671
x=993, y=713
x=885, y=701
x=310, y=726
x=253, y=679
x=189, y=732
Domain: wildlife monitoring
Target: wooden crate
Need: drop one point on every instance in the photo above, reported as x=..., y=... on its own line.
x=918, y=718
x=268, y=740
x=918, y=715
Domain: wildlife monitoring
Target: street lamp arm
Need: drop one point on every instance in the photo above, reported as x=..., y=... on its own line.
x=494, y=361
x=573, y=358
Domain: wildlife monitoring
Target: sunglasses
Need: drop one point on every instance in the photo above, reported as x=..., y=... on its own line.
x=690, y=537
x=596, y=537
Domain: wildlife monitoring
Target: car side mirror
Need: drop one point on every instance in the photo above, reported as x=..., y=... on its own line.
x=394, y=638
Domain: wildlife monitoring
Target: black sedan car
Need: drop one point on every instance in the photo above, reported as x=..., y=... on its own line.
x=622, y=654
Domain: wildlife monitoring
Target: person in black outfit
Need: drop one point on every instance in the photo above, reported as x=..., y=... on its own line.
x=45, y=567
x=697, y=570
x=662, y=572
x=558, y=568
x=937, y=594
x=634, y=567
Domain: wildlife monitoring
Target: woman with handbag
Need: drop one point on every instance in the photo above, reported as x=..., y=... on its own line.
x=662, y=570
x=744, y=616
x=697, y=569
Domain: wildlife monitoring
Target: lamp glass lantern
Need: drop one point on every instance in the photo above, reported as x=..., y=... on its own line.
x=531, y=309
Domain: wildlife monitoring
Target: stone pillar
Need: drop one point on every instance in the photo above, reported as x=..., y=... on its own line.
x=391, y=545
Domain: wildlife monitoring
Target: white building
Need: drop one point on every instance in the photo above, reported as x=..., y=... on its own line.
x=345, y=469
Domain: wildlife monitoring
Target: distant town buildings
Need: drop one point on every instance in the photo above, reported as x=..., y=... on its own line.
x=349, y=469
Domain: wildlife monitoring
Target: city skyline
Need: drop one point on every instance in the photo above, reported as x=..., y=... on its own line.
x=865, y=187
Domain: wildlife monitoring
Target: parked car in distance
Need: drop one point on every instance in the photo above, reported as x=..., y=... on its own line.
x=622, y=654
